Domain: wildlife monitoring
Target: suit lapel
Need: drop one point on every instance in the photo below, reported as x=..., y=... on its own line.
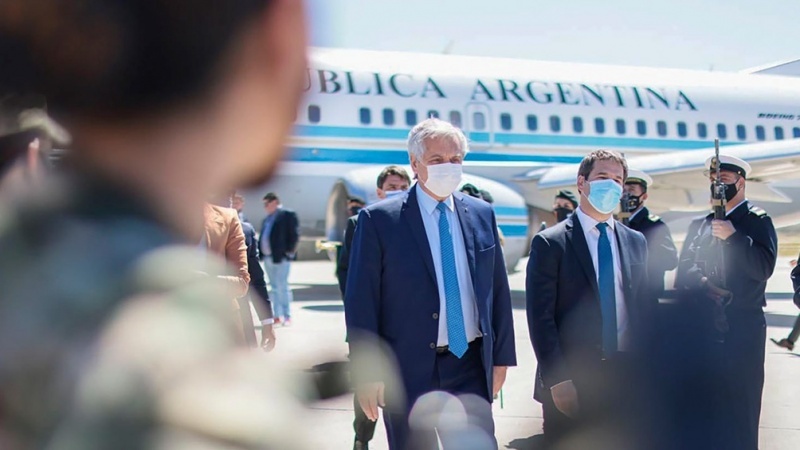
x=578, y=240
x=468, y=231
x=413, y=218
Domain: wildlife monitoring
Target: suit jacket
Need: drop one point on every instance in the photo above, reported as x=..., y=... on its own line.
x=343, y=260
x=224, y=236
x=283, y=236
x=563, y=301
x=662, y=255
x=393, y=294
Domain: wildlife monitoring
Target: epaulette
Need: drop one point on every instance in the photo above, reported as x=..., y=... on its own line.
x=757, y=211
x=654, y=218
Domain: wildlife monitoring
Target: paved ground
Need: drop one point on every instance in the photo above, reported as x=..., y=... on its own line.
x=317, y=334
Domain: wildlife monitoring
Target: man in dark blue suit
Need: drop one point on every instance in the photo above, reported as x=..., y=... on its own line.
x=280, y=233
x=427, y=277
x=589, y=316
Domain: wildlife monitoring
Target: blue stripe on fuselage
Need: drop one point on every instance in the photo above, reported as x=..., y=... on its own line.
x=321, y=131
x=514, y=230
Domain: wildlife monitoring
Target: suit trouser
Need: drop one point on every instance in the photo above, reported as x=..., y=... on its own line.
x=462, y=423
x=278, y=274
x=614, y=397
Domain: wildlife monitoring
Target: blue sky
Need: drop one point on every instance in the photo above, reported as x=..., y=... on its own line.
x=700, y=34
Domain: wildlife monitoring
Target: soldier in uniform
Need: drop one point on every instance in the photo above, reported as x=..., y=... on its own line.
x=723, y=271
x=112, y=332
x=661, y=252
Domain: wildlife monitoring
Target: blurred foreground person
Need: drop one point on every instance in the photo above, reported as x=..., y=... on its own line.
x=27, y=135
x=427, y=277
x=109, y=335
x=723, y=269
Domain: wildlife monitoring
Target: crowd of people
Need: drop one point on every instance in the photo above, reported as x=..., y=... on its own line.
x=128, y=271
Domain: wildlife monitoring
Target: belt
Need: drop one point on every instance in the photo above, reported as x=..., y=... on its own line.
x=446, y=348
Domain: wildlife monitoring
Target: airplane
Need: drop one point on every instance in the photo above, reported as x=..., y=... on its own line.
x=529, y=124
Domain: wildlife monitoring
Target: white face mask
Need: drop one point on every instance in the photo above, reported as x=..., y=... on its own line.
x=443, y=179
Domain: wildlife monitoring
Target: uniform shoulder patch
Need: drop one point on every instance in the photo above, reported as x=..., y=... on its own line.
x=654, y=218
x=758, y=211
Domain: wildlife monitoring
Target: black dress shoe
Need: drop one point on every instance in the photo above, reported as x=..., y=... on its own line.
x=785, y=343
x=358, y=445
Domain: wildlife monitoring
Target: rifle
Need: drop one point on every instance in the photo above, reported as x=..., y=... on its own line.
x=717, y=289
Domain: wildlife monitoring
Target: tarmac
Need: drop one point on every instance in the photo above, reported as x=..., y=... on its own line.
x=318, y=330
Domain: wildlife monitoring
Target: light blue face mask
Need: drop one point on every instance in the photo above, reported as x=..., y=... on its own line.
x=390, y=194
x=604, y=195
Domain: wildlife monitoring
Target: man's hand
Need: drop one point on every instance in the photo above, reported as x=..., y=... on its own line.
x=370, y=396
x=722, y=229
x=565, y=397
x=499, y=377
x=267, y=337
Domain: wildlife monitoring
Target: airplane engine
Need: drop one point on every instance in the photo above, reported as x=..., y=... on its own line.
x=509, y=206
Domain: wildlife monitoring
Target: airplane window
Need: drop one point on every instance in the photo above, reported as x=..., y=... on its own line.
x=533, y=123
x=722, y=131
x=433, y=114
x=641, y=127
x=661, y=127
x=702, y=130
x=388, y=116
x=682, y=129
x=577, y=124
x=620, y=126
x=741, y=133
x=599, y=126
x=778, y=133
x=796, y=132
x=313, y=114
x=411, y=117
x=455, y=118
x=505, y=121
x=760, y=134
x=478, y=121
x=555, y=124
x=365, y=115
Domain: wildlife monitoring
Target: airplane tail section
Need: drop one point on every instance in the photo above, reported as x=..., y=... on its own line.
x=790, y=68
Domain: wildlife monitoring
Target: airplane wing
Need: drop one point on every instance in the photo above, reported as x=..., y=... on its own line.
x=679, y=183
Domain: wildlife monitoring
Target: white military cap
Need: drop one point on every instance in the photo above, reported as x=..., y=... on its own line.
x=637, y=176
x=729, y=163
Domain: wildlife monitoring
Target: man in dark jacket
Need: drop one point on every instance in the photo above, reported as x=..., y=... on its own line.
x=661, y=252
x=280, y=233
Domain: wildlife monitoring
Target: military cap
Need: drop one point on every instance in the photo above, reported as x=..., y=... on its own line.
x=636, y=176
x=22, y=113
x=729, y=163
x=471, y=190
x=568, y=195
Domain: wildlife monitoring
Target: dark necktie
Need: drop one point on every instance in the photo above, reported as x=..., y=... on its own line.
x=608, y=301
x=456, y=334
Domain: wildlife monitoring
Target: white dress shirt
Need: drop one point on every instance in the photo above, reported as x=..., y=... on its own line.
x=592, y=235
x=430, y=218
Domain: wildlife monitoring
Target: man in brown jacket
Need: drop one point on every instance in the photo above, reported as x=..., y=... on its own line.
x=224, y=236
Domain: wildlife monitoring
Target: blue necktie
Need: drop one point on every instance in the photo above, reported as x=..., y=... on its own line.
x=608, y=301
x=456, y=334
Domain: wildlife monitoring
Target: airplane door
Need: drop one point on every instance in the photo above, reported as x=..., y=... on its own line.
x=479, y=125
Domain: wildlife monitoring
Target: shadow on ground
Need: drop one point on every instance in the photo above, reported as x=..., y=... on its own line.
x=535, y=442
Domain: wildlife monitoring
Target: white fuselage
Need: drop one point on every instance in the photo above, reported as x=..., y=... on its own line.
x=519, y=115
